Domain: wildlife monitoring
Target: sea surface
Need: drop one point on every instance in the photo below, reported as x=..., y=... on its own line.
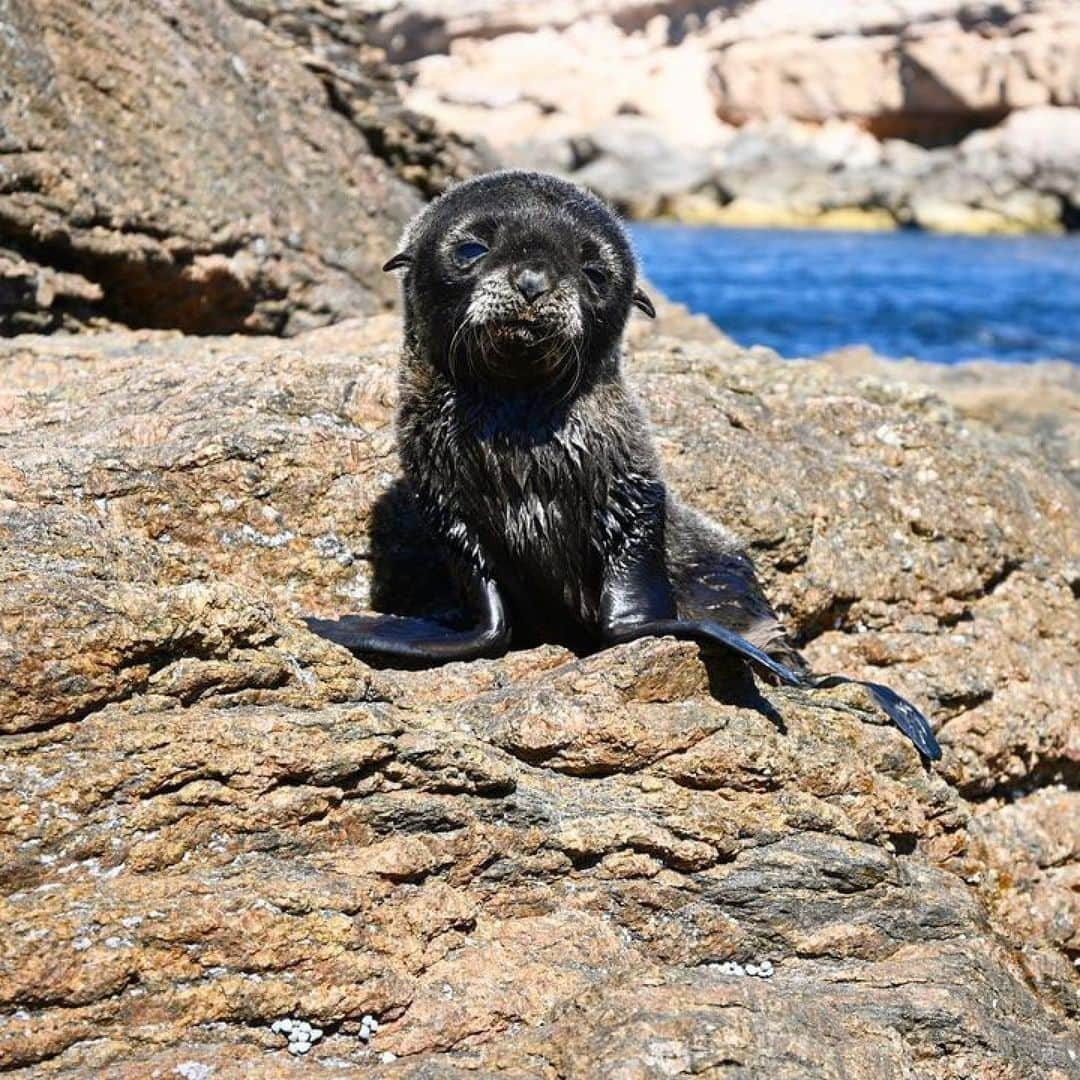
x=905, y=294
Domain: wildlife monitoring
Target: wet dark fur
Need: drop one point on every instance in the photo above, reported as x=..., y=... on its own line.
x=551, y=490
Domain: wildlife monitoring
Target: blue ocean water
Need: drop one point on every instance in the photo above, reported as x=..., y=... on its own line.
x=905, y=294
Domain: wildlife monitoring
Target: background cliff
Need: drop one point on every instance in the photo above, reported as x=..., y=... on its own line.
x=956, y=116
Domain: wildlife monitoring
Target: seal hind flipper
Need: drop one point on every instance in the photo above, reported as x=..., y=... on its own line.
x=715, y=580
x=900, y=711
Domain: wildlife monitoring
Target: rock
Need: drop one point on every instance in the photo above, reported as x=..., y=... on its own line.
x=522, y=89
x=212, y=819
x=1025, y=173
x=218, y=179
x=930, y=73
x=634, y=165
x=807, y=79
x=842, y=115
x=413, y=29
x=1035, y=403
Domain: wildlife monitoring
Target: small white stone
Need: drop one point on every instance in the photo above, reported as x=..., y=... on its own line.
x=751, y=969
x=386, y=1057
x=373, y=1024
x=315, y=1034
x=299, y=1047
x=276, y=1027
x=285, y=1025
x=194, y=1070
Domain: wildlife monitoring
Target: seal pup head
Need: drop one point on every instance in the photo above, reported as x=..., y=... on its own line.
x=517, y=278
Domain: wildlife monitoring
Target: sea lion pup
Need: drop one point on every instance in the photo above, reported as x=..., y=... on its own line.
x=532, y=462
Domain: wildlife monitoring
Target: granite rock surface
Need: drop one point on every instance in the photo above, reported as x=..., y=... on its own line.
x=204, y=166
x=624, y=865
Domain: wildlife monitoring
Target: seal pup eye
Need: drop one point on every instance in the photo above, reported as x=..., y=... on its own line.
x=468, y=251
x=596, y=276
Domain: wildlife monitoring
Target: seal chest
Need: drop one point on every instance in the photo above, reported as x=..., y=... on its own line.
x=532, y=485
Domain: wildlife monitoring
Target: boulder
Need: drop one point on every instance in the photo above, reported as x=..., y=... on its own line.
x=634, y=165
x=629, y=864
x=187, y=166
x=929, y=76
x=555, y=84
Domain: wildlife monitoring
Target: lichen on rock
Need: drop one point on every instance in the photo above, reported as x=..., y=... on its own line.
x=212, y=820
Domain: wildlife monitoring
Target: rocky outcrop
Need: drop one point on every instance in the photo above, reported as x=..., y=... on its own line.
x=189, y=166
x=1019, y=177
x=1037, y=404
x=631, y=864
x=927, y=73
x=775, y=113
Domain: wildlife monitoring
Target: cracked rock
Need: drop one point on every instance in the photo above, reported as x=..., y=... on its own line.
x=528, y=866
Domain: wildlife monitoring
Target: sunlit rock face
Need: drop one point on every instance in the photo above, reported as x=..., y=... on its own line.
x=782, y=113
x=221, y=834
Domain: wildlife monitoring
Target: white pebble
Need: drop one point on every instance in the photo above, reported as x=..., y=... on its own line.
x=751, y=969
x=299, y=1047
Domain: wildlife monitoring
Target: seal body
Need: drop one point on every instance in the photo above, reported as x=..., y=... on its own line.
x=551, y=489
x=531, y=461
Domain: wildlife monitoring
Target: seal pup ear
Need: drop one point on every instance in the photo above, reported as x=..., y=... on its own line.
x=642, y=302
x=402, y=258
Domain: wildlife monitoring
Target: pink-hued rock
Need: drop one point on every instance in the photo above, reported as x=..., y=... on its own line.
x=212, y=819
x=925, y=71
x=756, y=117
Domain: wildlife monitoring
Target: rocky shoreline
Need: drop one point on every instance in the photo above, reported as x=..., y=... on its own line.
x=229, y=848
x=953, y=117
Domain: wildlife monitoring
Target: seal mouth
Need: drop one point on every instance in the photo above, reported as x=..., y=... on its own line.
x=515, y=348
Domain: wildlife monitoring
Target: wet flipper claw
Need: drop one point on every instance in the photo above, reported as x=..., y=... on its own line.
x=902, y=713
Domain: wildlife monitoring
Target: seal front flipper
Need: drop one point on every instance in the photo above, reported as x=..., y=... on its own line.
x=422, y=641
x=902, y=713
x=637, y=599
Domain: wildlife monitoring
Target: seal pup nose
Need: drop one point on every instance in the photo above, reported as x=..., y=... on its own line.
x=531, y=283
